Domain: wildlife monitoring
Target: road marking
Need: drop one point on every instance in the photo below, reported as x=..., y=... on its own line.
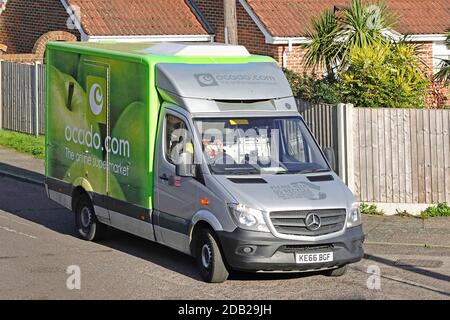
x=17, y=232
x=16, y=221
x=405, y=282
x=407, y=244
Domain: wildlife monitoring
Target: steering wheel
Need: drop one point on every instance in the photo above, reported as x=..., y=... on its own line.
x=223, y=158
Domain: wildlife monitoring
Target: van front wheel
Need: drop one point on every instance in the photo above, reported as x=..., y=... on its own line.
x=87, y=224
x=339, y=272
x=209, y=258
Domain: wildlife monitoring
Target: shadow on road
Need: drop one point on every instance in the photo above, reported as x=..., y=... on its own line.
x=29, y=201
x=21, y=174
x=411, y=268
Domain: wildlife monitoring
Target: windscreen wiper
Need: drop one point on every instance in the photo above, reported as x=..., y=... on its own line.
x=304, y=171
x=315, y=171
x=241, y=172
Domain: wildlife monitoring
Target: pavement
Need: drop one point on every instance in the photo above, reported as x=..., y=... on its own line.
x=409, y=256
x=21, y=166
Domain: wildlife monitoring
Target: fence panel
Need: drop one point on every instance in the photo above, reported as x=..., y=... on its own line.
x=41, y=98
x=21, y=98
x=322, y=119
x=402, y=155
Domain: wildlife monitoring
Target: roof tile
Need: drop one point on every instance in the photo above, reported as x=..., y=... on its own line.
x=292, y=18
x=137, y=17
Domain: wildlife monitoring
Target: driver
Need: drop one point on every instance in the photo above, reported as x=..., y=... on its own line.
x=213, y=147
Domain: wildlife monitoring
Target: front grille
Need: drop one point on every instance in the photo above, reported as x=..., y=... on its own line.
x=294, y=222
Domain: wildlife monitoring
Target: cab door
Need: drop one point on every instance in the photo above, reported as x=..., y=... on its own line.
x=176, y=198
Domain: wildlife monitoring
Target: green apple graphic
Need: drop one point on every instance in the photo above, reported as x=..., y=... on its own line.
x=67, y=103
x=97, y=179
x=131, y=127
x=66, y=62
x=130, y=77
x=59, y=116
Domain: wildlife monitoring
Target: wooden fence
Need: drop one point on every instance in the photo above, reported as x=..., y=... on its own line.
x=22, y=97
x=322, y=119
x=387, y=155
x=401, y=155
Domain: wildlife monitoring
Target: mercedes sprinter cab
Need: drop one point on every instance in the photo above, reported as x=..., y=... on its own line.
x=197, y=147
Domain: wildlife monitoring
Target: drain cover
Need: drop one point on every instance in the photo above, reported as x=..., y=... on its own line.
x=419, y=263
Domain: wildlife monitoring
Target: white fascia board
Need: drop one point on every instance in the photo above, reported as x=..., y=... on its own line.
x=153, y=38
x=425, y=37
x=75, y=20
x=288, y=40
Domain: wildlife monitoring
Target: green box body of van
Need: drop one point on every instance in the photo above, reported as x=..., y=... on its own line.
x=102, y=117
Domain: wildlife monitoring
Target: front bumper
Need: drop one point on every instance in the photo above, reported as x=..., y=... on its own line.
x=273, y=254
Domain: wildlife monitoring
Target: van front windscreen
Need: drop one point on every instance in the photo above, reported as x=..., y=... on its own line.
x=259, y=145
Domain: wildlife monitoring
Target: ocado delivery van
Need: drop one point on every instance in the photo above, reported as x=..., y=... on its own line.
x=199, y=148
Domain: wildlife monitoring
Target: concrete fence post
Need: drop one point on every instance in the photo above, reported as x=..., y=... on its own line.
x=36, y=98
x=345, y=144
x=350, y=161
x=341, y=141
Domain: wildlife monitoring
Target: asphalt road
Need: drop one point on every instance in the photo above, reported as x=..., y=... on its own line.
x=38, y=243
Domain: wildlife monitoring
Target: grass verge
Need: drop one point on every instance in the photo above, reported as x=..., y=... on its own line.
x=441, y=210
x=371, y=210
x=23, y=143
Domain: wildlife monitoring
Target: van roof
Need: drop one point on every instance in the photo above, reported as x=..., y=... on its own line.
x=163, y=48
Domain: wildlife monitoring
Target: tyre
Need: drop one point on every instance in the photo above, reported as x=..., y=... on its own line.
x=339, y=272
x=209, y=258
x=87, y=224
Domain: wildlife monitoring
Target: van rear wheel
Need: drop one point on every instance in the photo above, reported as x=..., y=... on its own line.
x=209, y=258
x=87, y=224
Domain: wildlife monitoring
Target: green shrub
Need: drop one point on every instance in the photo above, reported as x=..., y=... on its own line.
x=384, y=75
x=23, y=143
x=441, y=210
x=311, y=89
x=370, y=210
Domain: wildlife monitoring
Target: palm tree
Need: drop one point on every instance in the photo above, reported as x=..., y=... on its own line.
x=323, y=50
x=333, y=34
x=444, y=73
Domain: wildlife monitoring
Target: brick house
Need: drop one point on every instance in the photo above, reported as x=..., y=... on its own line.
x=278, y=28
x=27, y=25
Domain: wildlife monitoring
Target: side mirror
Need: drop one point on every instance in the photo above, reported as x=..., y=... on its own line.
x=185, y=168
x=331, y=157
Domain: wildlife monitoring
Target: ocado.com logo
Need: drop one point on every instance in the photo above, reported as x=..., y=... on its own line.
x=96, y=99
x=206, y=80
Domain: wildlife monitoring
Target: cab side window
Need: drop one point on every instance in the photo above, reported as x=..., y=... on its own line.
x=178, y=139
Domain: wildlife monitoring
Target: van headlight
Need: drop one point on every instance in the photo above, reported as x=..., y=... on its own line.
x=248, y=218
x=354, y=216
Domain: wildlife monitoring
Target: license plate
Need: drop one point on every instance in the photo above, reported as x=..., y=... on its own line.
x=307, y=258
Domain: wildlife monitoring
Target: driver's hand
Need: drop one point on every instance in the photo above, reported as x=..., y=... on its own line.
x=219, y=145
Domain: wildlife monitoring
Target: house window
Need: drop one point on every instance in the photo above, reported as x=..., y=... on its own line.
x=440, y=52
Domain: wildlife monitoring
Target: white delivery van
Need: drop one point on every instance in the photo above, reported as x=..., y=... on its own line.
x=197, y=147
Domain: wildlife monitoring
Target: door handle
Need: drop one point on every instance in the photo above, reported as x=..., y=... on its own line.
x=164, y=177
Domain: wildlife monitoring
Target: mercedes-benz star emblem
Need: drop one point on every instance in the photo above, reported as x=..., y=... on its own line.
x=313, y=222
